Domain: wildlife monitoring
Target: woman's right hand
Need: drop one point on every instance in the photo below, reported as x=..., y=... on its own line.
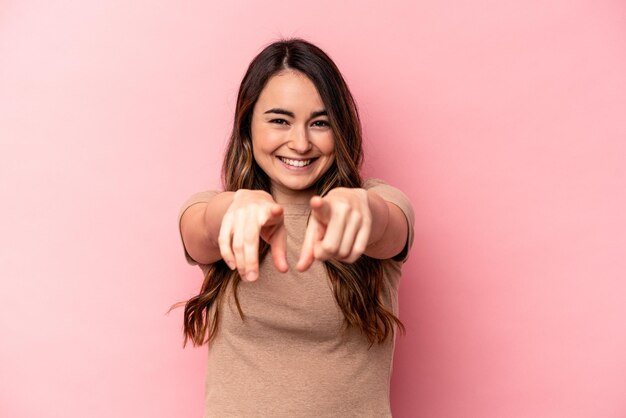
x=253, y=214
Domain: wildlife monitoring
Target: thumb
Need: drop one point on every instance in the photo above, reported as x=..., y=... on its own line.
x=320, y=209
x=273, y=216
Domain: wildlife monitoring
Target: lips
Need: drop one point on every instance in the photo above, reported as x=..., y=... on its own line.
x=300, y=162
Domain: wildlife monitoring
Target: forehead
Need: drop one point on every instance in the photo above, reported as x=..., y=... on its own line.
x=290, y=90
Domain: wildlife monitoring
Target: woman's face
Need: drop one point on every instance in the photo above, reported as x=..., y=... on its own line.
x=291, y=137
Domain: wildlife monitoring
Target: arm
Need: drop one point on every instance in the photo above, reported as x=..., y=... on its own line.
x=389, y=228
x=200, y=226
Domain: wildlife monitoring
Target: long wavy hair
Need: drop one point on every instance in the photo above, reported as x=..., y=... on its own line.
x=358, y=287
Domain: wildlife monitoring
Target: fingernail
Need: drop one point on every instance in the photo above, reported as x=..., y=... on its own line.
x=251, y=276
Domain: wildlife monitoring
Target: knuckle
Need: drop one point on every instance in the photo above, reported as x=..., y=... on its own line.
x=329, y=247
x=342, y=206
x=358, y=249
x=240, y=212
x=251, y=239
x=343, y=253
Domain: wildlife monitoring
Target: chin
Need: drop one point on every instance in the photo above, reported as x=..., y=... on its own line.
x=298, y=187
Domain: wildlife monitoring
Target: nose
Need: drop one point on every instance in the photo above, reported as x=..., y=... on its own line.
x=299, y=141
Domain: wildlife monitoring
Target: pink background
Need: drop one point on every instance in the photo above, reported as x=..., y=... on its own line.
x=503, y=121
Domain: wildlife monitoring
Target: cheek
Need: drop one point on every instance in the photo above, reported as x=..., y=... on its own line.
x=323, y=141
x=265, y=140
x=327, y=146
x=257, y=149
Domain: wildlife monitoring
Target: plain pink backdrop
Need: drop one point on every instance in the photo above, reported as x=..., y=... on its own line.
x=504, y=122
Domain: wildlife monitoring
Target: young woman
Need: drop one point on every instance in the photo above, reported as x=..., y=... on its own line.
x=309, y=331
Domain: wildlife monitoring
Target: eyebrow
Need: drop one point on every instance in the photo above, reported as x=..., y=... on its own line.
x=291, y=114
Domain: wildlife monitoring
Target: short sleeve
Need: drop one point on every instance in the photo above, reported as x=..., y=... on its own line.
x=395, y=196
x=201, y=197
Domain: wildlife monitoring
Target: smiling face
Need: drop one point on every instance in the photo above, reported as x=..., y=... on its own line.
x=292, y=140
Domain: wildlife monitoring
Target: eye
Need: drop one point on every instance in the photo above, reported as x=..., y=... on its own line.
x=321, y=124
x=279, y=121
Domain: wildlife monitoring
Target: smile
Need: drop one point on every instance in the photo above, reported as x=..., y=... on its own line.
x=296, y=163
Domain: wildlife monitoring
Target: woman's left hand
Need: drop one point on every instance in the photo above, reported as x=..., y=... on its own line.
x=339, y=227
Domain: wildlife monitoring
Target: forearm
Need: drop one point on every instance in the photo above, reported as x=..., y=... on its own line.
x=200, y=226
x=389, y=228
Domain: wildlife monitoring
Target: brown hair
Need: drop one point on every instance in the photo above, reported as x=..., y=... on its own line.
x=358, y=286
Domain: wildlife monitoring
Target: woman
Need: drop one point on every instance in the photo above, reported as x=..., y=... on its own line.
x=309, y=331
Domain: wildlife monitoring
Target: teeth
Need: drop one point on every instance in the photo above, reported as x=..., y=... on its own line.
x=295, y=163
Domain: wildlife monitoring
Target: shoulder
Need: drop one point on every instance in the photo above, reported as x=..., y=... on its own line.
x=200, y=197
